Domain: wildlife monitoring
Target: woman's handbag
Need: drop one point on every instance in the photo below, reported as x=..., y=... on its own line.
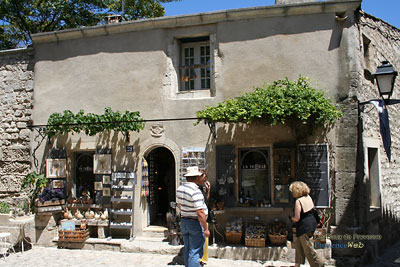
x=316, y=216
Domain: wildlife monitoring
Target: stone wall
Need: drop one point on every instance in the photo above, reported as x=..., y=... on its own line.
x=16, y=94
x=379, y=41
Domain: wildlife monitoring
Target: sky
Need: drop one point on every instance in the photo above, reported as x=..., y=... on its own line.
x=386, y=10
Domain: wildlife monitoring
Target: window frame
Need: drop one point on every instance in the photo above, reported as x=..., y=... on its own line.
x=373, y=212
x=241, y=155
x=186, y=81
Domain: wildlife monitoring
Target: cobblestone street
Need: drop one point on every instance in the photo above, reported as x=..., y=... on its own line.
x=41, y=256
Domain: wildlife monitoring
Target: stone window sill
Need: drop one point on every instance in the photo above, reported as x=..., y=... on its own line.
x=194, y=94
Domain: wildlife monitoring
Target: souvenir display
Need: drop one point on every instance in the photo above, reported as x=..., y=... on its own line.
x=193, y=156
x=145, y=179
x=56, y=168
x=233, y=231
x=255, y=235
x=277, y=233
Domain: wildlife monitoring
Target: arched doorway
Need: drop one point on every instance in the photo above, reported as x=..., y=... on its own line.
x=84, y=176
x=161, y=164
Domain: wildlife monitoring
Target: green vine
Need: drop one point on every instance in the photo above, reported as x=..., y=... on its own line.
x=35, y=183
x=92, y=124
x=280, y=102
x=4, y=208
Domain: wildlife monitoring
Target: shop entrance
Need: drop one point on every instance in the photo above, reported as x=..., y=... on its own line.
x=84, y=177
x=162, y=184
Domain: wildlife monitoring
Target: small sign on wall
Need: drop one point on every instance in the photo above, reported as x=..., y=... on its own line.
x=102, y=163
x=129, y=148
x=56, y=168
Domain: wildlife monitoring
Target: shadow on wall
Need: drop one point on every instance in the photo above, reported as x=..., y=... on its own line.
x=367, y=233
x=256, y=135
x=154, y=39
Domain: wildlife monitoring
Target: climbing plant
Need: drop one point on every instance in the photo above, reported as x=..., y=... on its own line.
x=34, y=183
x=91, y=124
x=283, y=101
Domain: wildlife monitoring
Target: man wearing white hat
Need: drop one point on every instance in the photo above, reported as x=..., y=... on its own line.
x=194, y=213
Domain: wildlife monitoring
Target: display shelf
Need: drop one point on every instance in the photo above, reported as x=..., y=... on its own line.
x=122, y=203
x=118, y=199
x=127, y=189
x=116, y=226
x=124, y=178
x=84, y=206
x=120, y=212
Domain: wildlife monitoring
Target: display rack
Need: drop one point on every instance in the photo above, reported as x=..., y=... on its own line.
x=122, y=204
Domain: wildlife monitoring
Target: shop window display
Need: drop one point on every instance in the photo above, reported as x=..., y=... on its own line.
x=284, y=170
x=84, y=176
x=254, y=175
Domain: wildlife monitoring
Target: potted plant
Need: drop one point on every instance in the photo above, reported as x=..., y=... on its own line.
x=322, y=228
x=35, y=183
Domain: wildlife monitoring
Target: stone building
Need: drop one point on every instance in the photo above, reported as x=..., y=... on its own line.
x=16, y=89
x=168, y=68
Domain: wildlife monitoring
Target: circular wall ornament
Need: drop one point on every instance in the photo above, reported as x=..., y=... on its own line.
x=157, y=130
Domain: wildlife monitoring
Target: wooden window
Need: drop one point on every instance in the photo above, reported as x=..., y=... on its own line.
x=226, y=182
x=195, y=63
x=254, y=176
x=284, y=172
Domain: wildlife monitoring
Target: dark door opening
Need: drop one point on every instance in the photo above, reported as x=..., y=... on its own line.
x=84, y=176
x=162, y=184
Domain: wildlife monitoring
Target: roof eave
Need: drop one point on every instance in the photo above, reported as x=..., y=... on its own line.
x=199, y=19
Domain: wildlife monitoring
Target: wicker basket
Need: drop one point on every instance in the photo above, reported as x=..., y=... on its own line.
x=255, y=242
x=233, y=237
x=277, y=240
x=73, y=236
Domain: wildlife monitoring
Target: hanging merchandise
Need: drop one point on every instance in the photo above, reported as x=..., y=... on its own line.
x=193, y=74
x=145, y=179
x=152, y=178
x=185, y=78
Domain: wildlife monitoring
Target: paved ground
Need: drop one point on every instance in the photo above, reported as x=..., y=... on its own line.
x=391, y=257
x=40, y=256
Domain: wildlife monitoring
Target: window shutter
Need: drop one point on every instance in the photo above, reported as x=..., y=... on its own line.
x=226, y=170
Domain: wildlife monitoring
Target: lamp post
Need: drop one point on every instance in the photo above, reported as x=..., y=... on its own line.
x=385, y=77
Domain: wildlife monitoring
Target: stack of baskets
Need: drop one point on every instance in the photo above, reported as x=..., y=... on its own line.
x=255, y=235
x=277, y=233
x=233, y=231
x=79, y=235
x=233, y=238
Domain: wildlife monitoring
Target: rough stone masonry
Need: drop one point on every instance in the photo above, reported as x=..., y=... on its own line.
x=16, y=96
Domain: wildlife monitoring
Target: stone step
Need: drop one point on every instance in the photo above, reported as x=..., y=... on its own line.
x=159, y=245
x=155, y=231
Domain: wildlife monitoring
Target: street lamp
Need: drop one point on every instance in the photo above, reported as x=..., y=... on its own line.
x=385, y=76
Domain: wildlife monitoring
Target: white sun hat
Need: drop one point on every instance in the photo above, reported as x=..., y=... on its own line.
x=193, y=171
